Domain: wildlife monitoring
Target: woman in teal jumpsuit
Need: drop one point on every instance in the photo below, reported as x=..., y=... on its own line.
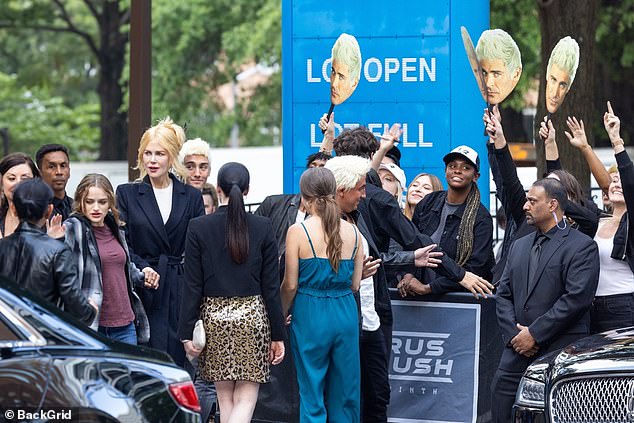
x=324, y=260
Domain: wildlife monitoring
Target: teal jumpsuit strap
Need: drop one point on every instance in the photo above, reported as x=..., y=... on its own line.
x=354, y=252
x=309, y=240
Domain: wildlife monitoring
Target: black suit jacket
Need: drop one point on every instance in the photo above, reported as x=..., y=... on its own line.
x=148, y=238
x=161, y=247
x=210, y=271
x=282, y=210
x=554, y=305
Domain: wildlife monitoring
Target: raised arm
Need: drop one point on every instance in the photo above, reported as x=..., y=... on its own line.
x=547, y=135
x=578, y=139
x=388, y=140
x=328, y=128
x=626, y=167
x=512, y=196
x=613, y=127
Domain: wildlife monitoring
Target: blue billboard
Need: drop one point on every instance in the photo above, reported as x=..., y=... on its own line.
x=414, y=72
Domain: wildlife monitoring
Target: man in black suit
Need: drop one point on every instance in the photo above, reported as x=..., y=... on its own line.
x=286, y=209
x=545, y=291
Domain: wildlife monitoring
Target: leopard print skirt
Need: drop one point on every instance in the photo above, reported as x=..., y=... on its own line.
x=238, y=339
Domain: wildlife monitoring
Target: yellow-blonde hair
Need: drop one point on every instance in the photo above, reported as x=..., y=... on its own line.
x=613, y=169
x=171, y=137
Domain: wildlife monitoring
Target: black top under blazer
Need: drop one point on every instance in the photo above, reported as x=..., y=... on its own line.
x=211, y=272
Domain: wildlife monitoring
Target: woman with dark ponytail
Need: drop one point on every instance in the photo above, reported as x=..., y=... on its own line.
x=232, y=285
x=237, y=235
x=38, y=262
x=324, y=260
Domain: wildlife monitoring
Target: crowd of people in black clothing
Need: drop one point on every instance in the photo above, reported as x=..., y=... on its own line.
x=143, y=263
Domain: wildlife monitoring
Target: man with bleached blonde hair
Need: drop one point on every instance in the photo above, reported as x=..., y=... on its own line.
x=501, y=63
x=561, y=72
x=350, y=173
x=346, y=68
x=195, y=155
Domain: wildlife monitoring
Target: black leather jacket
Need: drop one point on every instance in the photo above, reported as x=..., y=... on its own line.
x=282, y=210
x=45, y=266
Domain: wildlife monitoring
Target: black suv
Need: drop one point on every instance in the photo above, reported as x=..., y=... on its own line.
x=591, y=380
x=53, y=367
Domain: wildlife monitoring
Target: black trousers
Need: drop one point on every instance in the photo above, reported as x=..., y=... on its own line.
x=504, y=388
x=611, y=312
x=375, y=386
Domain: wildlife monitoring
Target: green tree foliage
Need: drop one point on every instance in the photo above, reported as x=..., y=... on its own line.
x=200, y=45
x=75, y=50
x=613, y=63
x=259, y=40
x=614, y=67
x=35, y=117
x=55, y=51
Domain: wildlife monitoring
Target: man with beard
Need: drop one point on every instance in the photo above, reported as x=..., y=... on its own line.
x=195, y=155
x=545, y=292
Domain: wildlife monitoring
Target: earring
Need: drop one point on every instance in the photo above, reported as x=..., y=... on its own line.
x=557, y=223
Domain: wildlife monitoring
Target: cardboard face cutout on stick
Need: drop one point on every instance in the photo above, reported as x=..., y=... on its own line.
x=346, y=68
x=473, y=61
x=560, y=72
x=500, y=65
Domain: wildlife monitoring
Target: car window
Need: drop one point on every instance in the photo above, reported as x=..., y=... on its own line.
x=46, y=322
x=6, y=333
x=54, y=331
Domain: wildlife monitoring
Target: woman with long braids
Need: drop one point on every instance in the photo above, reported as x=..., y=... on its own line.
x=324, y=260
x=458, y=222
x=232, y=285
